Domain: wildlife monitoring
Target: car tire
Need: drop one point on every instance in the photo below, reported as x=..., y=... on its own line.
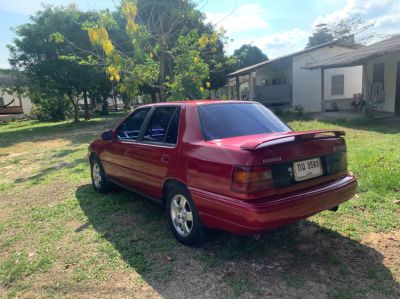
x=183, y=217
x=99, y=180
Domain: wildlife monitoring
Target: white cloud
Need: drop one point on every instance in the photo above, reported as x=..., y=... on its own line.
x=282, y=43
x=275, y=45
x=245, y=17
x=380, y=12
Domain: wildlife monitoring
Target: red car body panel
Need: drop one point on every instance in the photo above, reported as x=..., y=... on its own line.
x=206, y=168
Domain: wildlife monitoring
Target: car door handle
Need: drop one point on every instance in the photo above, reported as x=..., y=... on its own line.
x=127, y=152
x=164, y=158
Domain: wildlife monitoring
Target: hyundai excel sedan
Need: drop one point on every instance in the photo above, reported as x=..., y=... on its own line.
x=229, y=165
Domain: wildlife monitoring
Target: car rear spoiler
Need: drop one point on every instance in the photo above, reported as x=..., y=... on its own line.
x=256, y=144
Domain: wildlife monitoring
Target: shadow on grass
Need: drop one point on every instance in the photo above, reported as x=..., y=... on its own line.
x=303, y=260
x=38, y=177
x=48, y=131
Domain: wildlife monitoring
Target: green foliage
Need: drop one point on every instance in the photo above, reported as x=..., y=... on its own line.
x=174, y=62
x=299, y=110
x=191, y=71
x=48, y=51
x=52, y=108
x=248, y=55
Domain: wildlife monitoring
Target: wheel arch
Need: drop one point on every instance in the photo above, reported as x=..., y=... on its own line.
x=92, y=156
x=168, y=184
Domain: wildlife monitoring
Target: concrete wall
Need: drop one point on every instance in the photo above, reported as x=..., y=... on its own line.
x=352, y=82
x=352, y=85
x=307, y=83
x=390, y=74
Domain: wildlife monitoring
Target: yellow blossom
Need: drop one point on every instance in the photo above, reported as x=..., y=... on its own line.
x=129, y=10
x=103, y=34
x=203, y=41
x=93, y=35
x=122, y=88
x=108, y=47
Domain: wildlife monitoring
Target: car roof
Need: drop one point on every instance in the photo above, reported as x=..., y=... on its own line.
x=198, y=102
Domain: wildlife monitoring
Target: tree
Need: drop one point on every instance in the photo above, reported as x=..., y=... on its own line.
x=165, y=48
x=342, y=29
x=40, y=53
x=248, y=55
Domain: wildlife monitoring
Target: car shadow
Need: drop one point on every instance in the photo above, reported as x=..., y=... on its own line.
x=302, y=260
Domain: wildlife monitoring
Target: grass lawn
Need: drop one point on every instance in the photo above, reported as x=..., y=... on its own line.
x=59, y=238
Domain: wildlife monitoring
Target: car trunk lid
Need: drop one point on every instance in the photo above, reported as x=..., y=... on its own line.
x=297, y=159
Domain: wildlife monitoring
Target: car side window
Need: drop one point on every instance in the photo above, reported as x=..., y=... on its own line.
x=163, y=125
x=130, y=128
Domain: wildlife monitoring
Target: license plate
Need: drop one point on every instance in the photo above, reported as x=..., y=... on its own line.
x=307, y=169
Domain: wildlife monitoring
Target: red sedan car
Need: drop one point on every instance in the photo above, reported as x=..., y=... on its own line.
x=229, y=165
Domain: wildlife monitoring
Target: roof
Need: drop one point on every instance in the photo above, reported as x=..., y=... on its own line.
x=363, y=54
x=347, y=43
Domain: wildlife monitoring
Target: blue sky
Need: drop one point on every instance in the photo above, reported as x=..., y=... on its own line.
x=278, y=27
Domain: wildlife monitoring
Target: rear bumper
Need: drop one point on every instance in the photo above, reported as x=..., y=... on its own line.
x=243, y=217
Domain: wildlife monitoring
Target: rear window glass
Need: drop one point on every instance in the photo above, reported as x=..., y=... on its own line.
x=163, y=125
x=220, y=121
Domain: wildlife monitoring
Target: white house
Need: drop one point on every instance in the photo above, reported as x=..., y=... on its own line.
x=285, y=83
x=381, y=72
x=13, y=103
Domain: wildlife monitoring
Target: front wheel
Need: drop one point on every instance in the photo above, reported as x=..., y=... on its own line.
x=183, y=217
x=98, y=175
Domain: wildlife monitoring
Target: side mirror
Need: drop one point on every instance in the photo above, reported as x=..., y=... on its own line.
x=107, y=135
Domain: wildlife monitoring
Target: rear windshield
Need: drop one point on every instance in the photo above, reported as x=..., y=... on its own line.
x=220, y=121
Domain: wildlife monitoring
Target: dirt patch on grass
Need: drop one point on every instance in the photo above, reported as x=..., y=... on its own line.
x=388, y=244
x=39, y=194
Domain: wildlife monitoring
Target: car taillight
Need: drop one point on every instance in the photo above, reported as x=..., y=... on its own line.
x=251, y=179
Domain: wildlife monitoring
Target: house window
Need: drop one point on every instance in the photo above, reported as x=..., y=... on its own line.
x=337, y=86
x=378, y=73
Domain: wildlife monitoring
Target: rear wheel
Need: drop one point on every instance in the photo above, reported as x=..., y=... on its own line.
x=183, y=217
x=99, y=179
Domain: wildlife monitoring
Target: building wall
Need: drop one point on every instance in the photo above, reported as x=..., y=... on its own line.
x=352, y=85
x=390, y=74
x=307, y=83
x=26, y=102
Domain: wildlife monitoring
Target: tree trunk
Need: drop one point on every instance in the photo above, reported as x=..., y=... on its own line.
x=161, y=79
x=76, y=108
x=104, y=109
x=86, y=105
x=115, y=103
x=153, y=97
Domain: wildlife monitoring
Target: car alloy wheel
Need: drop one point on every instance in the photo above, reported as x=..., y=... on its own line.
x=99, y=179
x=181, y=215
x=96, y=173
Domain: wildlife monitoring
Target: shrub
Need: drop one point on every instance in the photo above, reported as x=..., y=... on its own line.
x=299, y=110
x=52, y=109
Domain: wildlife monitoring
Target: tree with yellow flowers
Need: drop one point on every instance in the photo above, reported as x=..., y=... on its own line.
x=165, y=48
